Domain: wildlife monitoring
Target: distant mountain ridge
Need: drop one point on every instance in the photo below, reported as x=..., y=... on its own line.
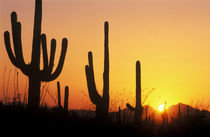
x=148, y=113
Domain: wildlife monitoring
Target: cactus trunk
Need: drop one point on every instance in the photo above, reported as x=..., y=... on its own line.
x=138, y=110
x=34, y=93
x=106, y=69
x=101, y=111
x=66, y=99
x=179, y=113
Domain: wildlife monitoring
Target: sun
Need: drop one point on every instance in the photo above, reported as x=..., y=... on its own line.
x=162, y=107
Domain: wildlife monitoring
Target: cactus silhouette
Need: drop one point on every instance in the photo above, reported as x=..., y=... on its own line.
x=138, y=109
x=59, y=95
x=66, y=97
x=179, y=112
x=164, y=116
x=32, y=70
x=101, y=102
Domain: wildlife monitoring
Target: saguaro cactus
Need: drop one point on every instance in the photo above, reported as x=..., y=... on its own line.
x=179, y=112
x=66, y=97
x=138, y=109
x=32, y=70
x=101, y=102
x=59, y=94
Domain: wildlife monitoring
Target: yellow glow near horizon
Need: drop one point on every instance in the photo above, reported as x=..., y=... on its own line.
x=170, y=38
x=162, y=107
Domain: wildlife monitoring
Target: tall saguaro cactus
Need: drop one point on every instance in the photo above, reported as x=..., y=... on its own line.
x=101, y=102
x=32, y=70
x=138, y=109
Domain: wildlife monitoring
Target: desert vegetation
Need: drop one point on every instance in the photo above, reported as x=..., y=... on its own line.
x=32, y=70
x=29, y=113
x=102, y=103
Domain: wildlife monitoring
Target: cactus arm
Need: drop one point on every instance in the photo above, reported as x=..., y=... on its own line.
x=18, y=49
x=52, y=56
x=93, y=93
x=47, y=70
x=44, y=50
x=130, y=107
x=91, y=75
x=24, y=68
x=59, y=68
x=9, y=50
x=35, y=61
x=94, y=96
x=16, y=34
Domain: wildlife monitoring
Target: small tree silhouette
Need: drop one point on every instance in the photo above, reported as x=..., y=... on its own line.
x=101, y=102
x=32, y=70
x=138, y=109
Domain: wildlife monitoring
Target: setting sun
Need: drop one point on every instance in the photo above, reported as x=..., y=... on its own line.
x=131, y=68
x=161, y=107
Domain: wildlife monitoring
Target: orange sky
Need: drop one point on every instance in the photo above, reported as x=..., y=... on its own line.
x=170, y=38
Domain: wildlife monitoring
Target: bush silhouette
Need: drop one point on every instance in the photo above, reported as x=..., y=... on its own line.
x=101, y=102
x=138, y=109
x=32, y=70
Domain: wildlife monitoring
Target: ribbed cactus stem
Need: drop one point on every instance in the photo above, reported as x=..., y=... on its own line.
x=179, y=113
x=106, y=63
x=138, y=109
x=59, y=94
x=138, y=86
x=35, y=59
x=101, y=102
x=32, y=70
x=66, y=98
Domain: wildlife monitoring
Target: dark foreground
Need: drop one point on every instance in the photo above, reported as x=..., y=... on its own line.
x=17, y=120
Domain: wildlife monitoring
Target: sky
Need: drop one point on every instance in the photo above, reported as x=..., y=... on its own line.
x=169, y=37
